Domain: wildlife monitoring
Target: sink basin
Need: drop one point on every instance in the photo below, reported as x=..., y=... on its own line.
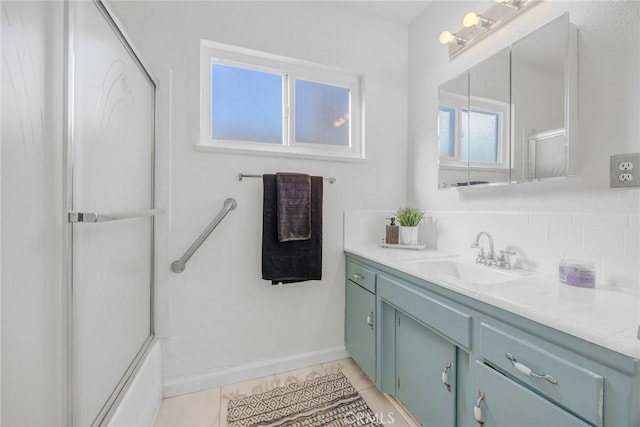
x=464, y=275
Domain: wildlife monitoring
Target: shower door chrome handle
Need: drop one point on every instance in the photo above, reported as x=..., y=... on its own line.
x=92, y=217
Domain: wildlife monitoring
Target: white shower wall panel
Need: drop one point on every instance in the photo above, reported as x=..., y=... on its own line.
x=32, y=213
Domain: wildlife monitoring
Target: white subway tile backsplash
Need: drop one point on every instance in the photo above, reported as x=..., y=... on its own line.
x=604, y=240
x=535, y=237
x=632, y=246
x=610, y=240
x=634, y=223
x=565, y=240
x=601, y=219
x=550, y=218
x=510, y=217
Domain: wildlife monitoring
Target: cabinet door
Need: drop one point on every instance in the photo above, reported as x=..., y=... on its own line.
x=508, y=404
x=360, y=336
x=421, y=358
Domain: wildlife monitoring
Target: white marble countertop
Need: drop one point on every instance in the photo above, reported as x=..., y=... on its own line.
x=603, y=316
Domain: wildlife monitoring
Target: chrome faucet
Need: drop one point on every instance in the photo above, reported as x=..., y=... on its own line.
x=488, y=259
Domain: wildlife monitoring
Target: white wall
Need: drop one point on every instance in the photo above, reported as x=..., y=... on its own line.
x=219, y=316
x=32, y=213
x=609, y=92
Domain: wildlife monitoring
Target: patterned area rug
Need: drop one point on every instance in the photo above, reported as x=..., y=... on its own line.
x=326, y=401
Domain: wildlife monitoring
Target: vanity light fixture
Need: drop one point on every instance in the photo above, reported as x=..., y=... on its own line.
x=479, y=25
x=472, y=19
x=512, y=3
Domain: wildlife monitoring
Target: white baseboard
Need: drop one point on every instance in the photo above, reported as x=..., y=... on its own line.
x=178, y=386
x=141, y=403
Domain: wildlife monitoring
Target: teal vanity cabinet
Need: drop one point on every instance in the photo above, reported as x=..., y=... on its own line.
x=455, y=361
x=360, y=314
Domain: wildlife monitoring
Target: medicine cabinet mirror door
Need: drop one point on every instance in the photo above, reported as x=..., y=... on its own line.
x=473, y=125
x=540, y=84
x=488, y=138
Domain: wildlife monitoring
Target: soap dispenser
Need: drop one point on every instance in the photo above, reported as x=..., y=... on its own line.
x=393, y=232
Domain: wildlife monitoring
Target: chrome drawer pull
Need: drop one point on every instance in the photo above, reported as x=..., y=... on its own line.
x=358, y=276
x=445, y=376
x=370, y=319
x=527, y=370
x=477, y=410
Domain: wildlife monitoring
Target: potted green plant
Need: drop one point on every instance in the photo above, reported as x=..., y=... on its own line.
x=409, y=218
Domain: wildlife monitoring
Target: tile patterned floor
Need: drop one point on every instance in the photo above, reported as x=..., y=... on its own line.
x=209, y=408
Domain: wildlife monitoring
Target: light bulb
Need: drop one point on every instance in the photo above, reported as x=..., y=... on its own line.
x=446, y=37
x=472, y=19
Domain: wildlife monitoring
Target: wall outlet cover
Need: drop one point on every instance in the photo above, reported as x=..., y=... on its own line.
x=625, y=171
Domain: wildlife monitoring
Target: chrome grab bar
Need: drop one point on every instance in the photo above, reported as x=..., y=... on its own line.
x=92, y=217
x=178, y=265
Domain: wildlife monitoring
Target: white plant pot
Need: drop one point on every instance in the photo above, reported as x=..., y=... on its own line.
x=408, y=235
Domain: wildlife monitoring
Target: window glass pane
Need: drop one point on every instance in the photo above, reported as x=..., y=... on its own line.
x=446, y=127
x=483, y=134
x=322, y=114
x=246, y=104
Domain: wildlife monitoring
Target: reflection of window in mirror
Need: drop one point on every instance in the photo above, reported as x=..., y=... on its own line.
x=446, y=131
x=483, y=131
x=483, y=123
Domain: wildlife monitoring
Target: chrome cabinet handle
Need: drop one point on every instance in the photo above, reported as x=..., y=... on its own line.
x=370, y=319
x=477, y=410
x=445, y=376
x=358, y=276
x=528, y=371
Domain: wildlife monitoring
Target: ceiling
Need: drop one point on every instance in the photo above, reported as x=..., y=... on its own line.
x=398, y=11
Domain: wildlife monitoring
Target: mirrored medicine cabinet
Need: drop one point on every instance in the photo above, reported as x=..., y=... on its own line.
x=510, y=119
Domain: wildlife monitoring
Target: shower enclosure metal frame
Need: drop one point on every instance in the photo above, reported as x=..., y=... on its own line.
x=117, y=394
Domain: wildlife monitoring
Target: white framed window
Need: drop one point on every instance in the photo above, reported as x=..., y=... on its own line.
x=255, y=102
x=473, y=132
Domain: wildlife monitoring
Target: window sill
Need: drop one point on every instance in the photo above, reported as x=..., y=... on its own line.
x=338, y=157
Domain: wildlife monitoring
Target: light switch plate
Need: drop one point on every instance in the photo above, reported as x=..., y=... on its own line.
x=625, y=171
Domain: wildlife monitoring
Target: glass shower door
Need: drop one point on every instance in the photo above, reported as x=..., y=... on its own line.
x=111, y=175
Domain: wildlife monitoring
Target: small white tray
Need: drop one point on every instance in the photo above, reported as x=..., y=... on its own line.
x=418, y=247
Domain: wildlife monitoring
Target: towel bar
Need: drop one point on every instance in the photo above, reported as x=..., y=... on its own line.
x=178, y=265
x=241, y=176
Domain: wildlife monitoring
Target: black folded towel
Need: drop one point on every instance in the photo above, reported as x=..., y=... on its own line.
x=296, y=260
x=294, y=206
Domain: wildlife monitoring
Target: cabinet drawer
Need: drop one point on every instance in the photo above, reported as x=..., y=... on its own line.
x=362, y=276
x=563, y=381
x=508, y=404
x=448, y=321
